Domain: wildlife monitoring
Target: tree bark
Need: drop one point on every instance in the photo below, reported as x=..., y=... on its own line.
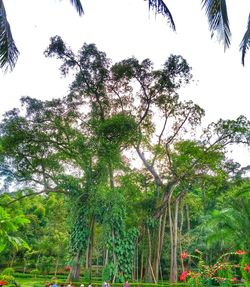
x=142, y=266
x=175, y=241
x=180, y=243
x=74, y=274
x=57, y=264
x=89, y=251
x=106, y=257
x=150, y=256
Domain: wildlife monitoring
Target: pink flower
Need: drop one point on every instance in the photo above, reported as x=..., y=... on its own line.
x=183, y=276
x=184, y=255
x=67, y=268
x=247, y=268
x=234, y=280
x=240, y=252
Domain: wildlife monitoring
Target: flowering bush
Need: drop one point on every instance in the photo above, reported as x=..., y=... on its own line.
x=67, y=268
x=8, y=279
x=223, y=272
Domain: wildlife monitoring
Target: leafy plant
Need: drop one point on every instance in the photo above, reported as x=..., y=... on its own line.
x=223, y=272
x=8, y=271
x=35, y=272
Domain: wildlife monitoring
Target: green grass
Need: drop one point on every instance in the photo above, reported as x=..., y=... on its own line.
x=40, y=282
x=30, y=282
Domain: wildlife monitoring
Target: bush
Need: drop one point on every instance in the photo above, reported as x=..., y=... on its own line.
x=8, y=278
x=8, y=271
x=35, y=272
x=108, y=272
x=87, y=275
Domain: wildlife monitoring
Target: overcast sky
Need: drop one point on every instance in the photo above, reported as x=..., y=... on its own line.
x=125, y=28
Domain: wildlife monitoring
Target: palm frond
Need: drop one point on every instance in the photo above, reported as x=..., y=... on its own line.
x=78, y=5
x=161, y=8
x=245, y=43
x=8, y=50
x=216, y=11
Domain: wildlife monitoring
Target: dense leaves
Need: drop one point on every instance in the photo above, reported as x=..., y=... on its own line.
x=118, y=172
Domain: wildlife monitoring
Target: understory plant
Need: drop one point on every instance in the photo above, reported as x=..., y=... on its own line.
x=228, y=270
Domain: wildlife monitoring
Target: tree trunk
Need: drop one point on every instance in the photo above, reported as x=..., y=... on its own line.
x=114, y=255
x=174, y=237
x=188, y=229
x=106, y=257
x=74, y=274
x=142, y=266
x=89, y=251
x=180, y=243
x=175, y=242
x=57, y=264
x=171, y=277
x=158, y=250
x=12, y=259
x=150, y=257
x=160, y=241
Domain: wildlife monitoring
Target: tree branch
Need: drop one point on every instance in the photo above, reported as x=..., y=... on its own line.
x=46, y=191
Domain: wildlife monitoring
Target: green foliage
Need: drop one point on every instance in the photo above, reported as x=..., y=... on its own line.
x=8, y=226
x=87, y=275
x=80, y=148
x=108, y=272
x=7, y=278
x=119, y=130
x=44, y=264
x=8, y=271
x=35, y=272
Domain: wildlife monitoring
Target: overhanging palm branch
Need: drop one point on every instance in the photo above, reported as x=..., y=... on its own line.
x=216, y=11
x=161, y=8
x=8, y=50
x=78, y=6
x=245, y=43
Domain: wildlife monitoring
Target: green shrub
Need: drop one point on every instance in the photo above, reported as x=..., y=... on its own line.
x=35, y=272
x=108, y=272
x=7, y=278
x=8, y=271
x=87, y=275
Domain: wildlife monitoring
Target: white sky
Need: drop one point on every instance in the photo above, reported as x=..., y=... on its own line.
x=125, y=28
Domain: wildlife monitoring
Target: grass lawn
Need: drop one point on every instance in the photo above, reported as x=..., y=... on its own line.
x=31, y=282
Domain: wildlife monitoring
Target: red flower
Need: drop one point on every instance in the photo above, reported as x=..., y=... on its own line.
x=247, y=268
x=2, y=282
x=234, y=280
x=240, y=252
x=67, y=268
x=183, y=276
x=184, y=255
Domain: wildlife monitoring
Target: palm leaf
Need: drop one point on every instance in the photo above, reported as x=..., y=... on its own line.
x=8, y=50
x=245, y=43
x=160, y=8
x=77, y=4
x=216, y=11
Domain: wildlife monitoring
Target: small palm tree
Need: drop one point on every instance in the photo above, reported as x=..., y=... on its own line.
x=8, y=50
x=231, y=225
x=9, y=225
